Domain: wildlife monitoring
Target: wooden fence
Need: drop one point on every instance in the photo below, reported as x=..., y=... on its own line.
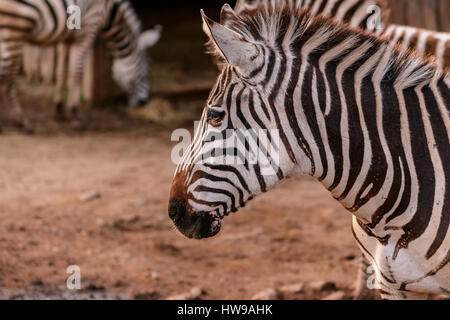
x=429, y=14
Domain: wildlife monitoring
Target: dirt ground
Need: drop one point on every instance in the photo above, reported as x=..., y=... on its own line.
x=123, y=240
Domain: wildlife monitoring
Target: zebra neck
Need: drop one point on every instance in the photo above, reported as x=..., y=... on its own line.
x=122, y=30
x=358, y=128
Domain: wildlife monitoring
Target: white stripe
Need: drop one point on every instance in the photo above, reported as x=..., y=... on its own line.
x=344, y=129
x=350, y=200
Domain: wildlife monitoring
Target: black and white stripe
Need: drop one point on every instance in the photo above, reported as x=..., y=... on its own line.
x=368, y=121
x=431, y=43
x=357, y=13
x=44, y=22
x=428, y=42
x=363, y=15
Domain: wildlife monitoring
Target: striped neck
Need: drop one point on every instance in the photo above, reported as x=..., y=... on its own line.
x=122, y=29
x=350, y=101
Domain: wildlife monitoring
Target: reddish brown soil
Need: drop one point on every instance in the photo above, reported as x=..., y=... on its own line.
x=295, y=233
x=124, y=242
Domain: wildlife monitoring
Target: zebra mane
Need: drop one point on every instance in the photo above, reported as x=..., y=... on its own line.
x=276, y=24
x=250, y=5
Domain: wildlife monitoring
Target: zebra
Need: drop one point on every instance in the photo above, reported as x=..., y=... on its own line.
x=435, y=44
x=432, y=43
x=42, y=23
x=370, y=122
x=361, y=13
x=371, y=15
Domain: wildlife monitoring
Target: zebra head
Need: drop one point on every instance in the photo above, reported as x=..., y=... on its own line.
x=237, y=152
x=131, y=72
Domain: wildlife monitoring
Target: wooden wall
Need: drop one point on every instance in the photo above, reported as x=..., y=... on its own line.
x=429, y=14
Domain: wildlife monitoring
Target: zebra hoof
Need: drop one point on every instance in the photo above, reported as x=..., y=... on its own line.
x=24, y=125
x=366, y=294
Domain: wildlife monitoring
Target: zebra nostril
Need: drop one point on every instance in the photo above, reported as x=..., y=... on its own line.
x=142, y=102
x=176, y=210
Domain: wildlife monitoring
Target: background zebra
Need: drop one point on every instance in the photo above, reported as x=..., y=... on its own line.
x=369, y=122
x=359, y=14
x=436, y=44
x=45, y=23
x=363, y=15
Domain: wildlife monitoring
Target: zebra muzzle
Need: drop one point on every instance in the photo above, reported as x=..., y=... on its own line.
x=196, y=225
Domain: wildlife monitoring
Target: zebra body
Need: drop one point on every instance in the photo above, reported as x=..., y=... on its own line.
x=436, y=44
x=358, y=14
x=370, y=122
x=44, y=23
x=425, y=41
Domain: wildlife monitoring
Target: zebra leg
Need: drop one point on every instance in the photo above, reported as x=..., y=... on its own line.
x=61, y=74
x=16, y=114
x=76, y=59
x=1, y=100
x=362, y=290
x=404, y=295
x=77, y=55
x=10, y=62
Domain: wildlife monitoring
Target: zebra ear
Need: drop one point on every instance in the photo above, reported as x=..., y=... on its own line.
x=149, y=38
x=236, y=50
x=226, y=13
x=240, y=4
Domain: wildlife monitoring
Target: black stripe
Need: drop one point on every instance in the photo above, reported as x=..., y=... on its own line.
x=310, y=112
x=225, y=168
x=219, y=191
x=207, y=176
x=262, y=126
x=378, y=165
x=442, y=144
x=425, y=174
x=332, y=124
x=290, y=104
x=112, y=17
x=54, y=16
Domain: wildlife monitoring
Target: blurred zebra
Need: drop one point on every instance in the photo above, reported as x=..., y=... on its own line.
x=370, y=122
x=42, y=23
x=371, y=15
x=427, y=42
x=362, y=14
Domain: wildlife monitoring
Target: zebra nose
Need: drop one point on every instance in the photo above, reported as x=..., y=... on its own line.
x=177, y=209
x=142, y=102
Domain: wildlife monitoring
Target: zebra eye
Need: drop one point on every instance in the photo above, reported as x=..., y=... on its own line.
x=215, y=117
